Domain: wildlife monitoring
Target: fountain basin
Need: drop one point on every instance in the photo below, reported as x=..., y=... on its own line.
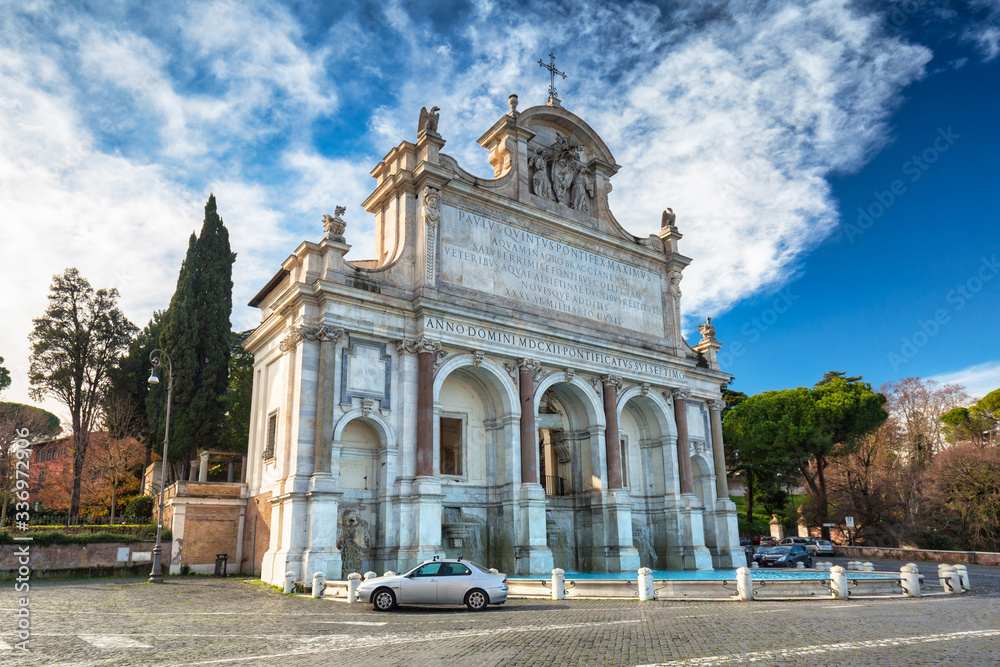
x=713, y=584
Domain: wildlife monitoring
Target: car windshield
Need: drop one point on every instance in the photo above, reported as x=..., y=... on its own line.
x=780, y=550
x=764, y=550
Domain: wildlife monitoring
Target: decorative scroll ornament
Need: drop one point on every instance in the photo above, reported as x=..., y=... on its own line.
x=707, y=332
x=366, y=406
x=320, y=333
x=422, y=344
x=477, y=358
x=718, y=405
x=681, y=394
x=335, y=225
x=570, y=374
x=612, y=379
x=428, y=120
x=644, y=389
x=527, y=363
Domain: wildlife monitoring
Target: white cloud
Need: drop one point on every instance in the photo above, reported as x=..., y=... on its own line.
x=978, y=380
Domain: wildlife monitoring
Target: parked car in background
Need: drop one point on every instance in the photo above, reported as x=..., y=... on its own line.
x=787, y=555
x=744, y=542
x=820, y=547
x=443, y=581
x=758, y=555
x=763, y=541
x=795, y=540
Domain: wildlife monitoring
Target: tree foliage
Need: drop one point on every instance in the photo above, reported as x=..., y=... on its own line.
x=4, y=376
x=74, y=346
x=776, y=432
x=239, y=394
x=196, y=336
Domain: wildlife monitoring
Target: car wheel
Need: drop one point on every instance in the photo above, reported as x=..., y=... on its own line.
x=476, y=600
x=809, y=563
x=384, y=600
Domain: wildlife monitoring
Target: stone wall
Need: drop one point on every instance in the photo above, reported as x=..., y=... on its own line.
x=71, y=559
x=258, y=507
x=206, y=519
x=891, y=553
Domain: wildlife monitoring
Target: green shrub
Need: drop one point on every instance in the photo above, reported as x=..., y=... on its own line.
x=48, y=537
x=139, y=509
x=935, y=541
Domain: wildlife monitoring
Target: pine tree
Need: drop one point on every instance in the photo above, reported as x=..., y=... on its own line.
x=196, y=336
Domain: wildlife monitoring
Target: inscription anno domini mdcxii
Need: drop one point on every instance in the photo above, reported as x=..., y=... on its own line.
x=483, y=254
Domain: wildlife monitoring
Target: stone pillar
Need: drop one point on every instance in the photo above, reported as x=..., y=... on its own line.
x=718, y=450
x=531, y=550
x=728, y=553
x=683, y=443
x=203, y=467
x=777, y=528
x=695, y=555
x=529, y=455
x=612, y=438
x=425, y=413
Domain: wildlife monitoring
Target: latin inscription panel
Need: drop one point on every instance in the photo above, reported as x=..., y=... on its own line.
x=481, y=253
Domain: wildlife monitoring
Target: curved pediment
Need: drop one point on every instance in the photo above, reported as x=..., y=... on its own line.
x=551, y=123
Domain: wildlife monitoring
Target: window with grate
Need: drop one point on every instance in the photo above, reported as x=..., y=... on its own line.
x=272, y=429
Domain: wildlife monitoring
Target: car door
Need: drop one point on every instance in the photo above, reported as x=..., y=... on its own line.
x=454, y=582
x=798, y=554
x=420, y=586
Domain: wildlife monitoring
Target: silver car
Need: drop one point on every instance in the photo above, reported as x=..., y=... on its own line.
x=444, y=581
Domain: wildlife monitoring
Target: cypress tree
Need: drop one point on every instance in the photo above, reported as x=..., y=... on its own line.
x=196, y=335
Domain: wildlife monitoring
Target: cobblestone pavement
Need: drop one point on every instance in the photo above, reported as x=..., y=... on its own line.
x=232, y=622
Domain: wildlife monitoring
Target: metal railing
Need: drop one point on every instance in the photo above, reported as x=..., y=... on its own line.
x=554, y=486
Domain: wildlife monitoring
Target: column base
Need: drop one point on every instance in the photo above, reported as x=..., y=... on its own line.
x=728, y=554
x=532, y=554
x=694, y=554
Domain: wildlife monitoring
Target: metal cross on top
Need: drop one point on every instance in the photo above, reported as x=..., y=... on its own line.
x=551, y=66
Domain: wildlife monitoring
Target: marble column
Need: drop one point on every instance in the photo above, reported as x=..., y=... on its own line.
x=612, y=438
x=619, y=550
x=715, y=416
x=529, y=457
x=425, y=413
x=728, y=553
x=690, y=514
x=683, y=443
x=323, y=496
x=531, y=551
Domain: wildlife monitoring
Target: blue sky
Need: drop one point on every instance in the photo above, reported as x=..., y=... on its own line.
x=765, y=126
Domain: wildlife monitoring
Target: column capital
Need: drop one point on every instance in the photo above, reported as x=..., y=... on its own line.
x=717, y=405
x=681, y=393
x=422, y=344
x=529, y=364
x=612, y=379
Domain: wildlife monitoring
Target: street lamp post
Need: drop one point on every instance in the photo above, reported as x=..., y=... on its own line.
x=156, y=575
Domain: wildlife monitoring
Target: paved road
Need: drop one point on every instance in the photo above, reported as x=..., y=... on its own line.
x=204, y=621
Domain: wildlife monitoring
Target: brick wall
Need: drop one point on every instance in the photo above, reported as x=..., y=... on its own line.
x=259, y=507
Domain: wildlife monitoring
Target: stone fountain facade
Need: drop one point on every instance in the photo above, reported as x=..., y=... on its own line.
x=505, y=381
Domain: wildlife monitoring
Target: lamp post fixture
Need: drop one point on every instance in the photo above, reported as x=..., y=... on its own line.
x=156, y=575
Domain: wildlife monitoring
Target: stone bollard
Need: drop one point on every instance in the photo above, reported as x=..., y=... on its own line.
x=800, y=566
x=289, y=582
x=370, y=575
x=558, y=584
x=910, y=579
x=949, y=579
x=963, y=576
x=353, y=581
x=319, y=584
x=646, y=590
x=868, y=567
x=744, y=584
x=838, y=583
